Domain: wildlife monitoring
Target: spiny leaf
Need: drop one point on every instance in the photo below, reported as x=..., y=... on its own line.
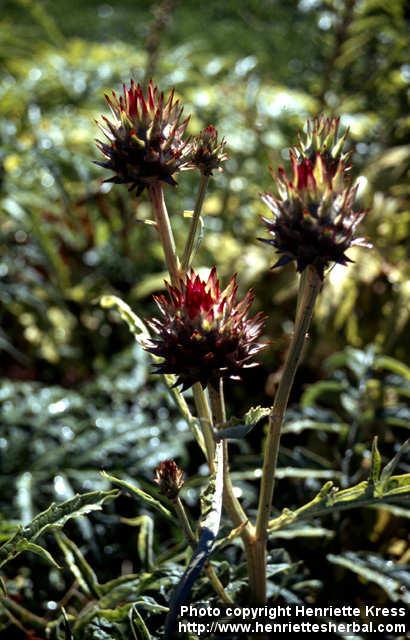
x=330, y=499
x=54, y=517
x=146, y=497
x=211, y=508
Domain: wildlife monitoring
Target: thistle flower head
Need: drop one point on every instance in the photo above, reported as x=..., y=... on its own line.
x=169, y=478
x=204, y=333
x=145, y=138
x=314, y=217
x=208, y=151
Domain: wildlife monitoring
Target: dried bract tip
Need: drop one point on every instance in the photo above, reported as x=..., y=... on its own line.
x=208, y=152
x=169, y=478
x=145, y=138
x=204, y=334
x=314, y=216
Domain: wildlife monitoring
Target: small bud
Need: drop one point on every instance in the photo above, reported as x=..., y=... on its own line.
x=169, y=478
x=208, y=152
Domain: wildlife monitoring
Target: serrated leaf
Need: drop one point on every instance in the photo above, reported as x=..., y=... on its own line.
x=140, y=493
x=254, y=414
x=330, y=499
x=55, y=517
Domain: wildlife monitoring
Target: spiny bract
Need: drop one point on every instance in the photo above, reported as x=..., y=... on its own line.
x=314, y=218
x=205, y=334
x=146, y=141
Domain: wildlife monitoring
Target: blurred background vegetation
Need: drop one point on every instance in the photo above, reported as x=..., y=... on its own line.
x=76, y=395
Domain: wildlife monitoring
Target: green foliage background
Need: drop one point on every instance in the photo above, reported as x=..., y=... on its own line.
x=76, y=395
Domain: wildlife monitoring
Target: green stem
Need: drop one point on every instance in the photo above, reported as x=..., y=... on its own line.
x=192, y=540
x=183, y=519
x=309, y=288
x=165, y=231
x=187, y=255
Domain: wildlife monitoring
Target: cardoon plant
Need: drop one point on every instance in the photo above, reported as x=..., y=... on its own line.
x=204, y=334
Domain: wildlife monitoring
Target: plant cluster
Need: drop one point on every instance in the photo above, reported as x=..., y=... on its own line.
x=204, y=336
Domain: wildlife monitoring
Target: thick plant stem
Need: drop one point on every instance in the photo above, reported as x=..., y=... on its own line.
x=231, y=502
x=165, y=231
x=309, y=288
x=187, y=255
x=192, y=541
